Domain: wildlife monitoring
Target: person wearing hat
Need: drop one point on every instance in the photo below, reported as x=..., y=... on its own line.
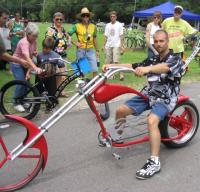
x=86, y=33
x=177, y=29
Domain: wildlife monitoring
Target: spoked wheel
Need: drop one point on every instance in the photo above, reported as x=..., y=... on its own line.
x=18, y=97
x=17, y=173
x=181, y=124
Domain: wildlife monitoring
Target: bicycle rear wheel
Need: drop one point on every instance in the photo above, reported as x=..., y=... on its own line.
x=16, y=173
x=10, y=97
x=183, y=121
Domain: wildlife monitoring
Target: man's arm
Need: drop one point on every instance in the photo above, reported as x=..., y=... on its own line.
x=159, y=68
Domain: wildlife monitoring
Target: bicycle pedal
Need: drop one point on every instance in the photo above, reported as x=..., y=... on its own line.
x=116, y=156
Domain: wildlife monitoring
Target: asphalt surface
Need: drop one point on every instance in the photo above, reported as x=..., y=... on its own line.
x=77, y=164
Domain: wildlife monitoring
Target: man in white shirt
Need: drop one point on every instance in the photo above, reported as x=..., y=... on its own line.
x=113, y=40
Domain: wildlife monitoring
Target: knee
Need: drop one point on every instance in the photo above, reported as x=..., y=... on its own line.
x=123, y=111
x=153, y=121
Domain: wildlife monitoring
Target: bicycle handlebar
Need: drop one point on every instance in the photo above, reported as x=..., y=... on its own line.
x=59, y=59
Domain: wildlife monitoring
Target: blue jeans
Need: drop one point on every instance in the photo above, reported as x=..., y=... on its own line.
x=19, y=74
x=90, y=55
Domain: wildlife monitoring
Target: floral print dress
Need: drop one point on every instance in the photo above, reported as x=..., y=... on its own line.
x=60, y=39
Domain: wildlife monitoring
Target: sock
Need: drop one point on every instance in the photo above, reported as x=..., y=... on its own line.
x=155, y=159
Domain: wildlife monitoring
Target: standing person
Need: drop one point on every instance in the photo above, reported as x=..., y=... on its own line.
x=26, y=49
x=177, y=29
x=49, y=66
x=113, y=40
x=150, y=30
x=16, y=31
x=4, y=32
x=7, y=57
x=61, y=38
x=164, y=75
x=86, y=33
x=59, y=35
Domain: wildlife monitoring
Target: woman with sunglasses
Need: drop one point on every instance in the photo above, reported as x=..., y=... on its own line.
x=150, y=30
x=59, y=35
x=61, y=39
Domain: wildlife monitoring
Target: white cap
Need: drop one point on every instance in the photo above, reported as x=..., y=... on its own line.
x=178, y=7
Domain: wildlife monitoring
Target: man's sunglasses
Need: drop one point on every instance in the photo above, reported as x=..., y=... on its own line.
x=85, y=15
x=58, y=19
x=177, y=11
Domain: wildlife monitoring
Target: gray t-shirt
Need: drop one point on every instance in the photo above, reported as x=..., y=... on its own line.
x=2, y=47
x=41, y=58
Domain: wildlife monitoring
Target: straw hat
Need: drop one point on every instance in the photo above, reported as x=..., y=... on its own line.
x=84, y=11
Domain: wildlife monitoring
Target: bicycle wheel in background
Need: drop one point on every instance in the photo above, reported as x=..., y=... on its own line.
x=9, y=100
x=16, y=173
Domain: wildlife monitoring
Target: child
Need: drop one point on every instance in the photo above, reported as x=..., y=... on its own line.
x=47, y=53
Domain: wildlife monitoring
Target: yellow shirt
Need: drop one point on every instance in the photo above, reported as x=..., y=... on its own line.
x=176, y=31
x=85, y=34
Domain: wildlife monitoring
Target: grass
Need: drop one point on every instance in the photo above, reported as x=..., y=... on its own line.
x=129, y=56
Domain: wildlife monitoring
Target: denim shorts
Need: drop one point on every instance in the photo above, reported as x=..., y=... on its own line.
x=91, y=56
x=139, y=105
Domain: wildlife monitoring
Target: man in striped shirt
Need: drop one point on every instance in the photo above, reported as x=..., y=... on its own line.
x=164, y=75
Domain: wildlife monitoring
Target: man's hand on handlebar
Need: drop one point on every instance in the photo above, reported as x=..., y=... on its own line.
x=140, y=71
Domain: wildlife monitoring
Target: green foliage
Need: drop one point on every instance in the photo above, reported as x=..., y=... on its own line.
x=44, y=9
x=135, y=38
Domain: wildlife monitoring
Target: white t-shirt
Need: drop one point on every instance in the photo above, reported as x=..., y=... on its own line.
x=154, y=28
x=113, y=33
x=4, y=32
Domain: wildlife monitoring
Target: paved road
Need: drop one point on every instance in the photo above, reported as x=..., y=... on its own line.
x=77, y=164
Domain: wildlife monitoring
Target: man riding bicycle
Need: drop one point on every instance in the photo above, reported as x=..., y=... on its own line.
x=164, y=75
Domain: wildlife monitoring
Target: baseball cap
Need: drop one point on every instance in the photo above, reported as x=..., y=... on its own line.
x=178, y=7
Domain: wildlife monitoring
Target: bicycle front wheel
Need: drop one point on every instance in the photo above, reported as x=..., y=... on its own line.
x=19, y=98
x=17, y=173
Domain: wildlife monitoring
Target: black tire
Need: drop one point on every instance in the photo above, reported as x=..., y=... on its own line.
x=105, y=114
x=7, y=99
x=170, y=126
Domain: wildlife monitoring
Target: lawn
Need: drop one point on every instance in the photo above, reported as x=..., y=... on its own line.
x=130, y=56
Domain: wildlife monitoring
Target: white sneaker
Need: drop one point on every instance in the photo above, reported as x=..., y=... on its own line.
x=19, y=108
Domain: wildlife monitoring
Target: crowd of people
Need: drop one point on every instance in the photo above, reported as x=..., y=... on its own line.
x=162, y=67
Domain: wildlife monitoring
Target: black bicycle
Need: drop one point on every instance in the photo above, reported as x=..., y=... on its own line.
x=31, y=96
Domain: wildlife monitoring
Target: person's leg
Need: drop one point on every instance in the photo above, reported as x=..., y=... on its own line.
x=116, y=54
x=134, y=106
x=109, y=58
x=91, y=56
x=19, y=74
x=153, y=166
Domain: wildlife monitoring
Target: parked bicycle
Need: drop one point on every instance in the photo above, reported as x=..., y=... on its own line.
x=19, y=164
x=42, y=92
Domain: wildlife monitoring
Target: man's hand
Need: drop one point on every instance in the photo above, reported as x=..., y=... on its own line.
x=140, y=71
x=106, y=67
x=122, y=50
x=78, y=44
